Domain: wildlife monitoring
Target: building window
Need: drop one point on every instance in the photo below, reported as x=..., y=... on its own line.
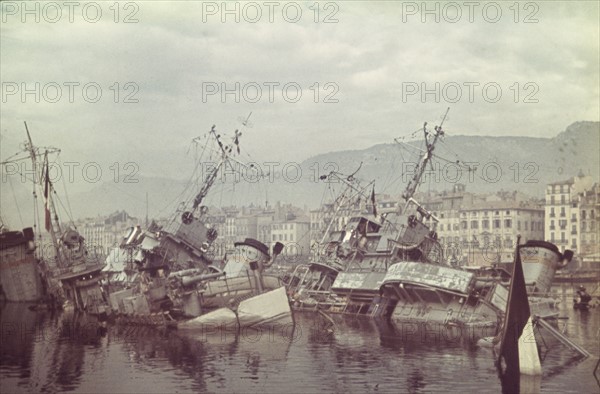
x=508, y=212
x=562, y=237
x=485, y=224
x=507, y=223
x=464, y=225
x=552, y=200
x=583, y=214
x=474, y=224
x=552, y=212
x=496, y=223
x=526, y=223
x=519, y=225
x=552, y=239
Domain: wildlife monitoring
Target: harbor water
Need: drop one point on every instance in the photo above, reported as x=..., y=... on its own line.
x=41, y=352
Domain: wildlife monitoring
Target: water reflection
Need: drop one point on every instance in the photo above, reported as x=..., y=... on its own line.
x=48, y=349
x=41, y=352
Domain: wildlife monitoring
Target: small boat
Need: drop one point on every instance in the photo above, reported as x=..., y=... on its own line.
x=582, y=299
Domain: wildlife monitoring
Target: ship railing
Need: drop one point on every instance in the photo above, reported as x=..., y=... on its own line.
x=542, y=294
x=366, y=270
x=316, y=292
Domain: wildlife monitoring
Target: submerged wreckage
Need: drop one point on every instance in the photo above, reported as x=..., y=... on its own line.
x=392, y=267
x=163, y=277
x=239, y=293
x=65, y=275
x=388, y=266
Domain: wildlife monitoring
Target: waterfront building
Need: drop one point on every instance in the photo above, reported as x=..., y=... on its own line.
x=568, y=202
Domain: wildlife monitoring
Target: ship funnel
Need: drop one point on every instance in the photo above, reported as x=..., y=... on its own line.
x=567, y=256
x=277, y=248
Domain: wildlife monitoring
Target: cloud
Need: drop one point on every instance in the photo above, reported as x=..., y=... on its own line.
x=369, y=56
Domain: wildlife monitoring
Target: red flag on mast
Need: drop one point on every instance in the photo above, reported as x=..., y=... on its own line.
x=48, y=219
x=373, y=202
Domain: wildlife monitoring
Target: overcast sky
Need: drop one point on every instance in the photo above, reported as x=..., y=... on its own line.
x=371, y=56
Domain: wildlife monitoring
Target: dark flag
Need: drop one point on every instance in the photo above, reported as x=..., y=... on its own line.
x=236, y=141
x=518, y=349
x=373, y=202
x=48, y=222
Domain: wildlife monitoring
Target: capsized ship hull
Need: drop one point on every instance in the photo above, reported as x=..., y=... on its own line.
x=240, y=295
x=435, y=295
x=432, y=295
x=266, y=308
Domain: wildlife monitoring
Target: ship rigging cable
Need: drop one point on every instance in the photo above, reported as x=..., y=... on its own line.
x=16, y=202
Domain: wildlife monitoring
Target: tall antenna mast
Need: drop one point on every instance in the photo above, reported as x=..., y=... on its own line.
x=39, y=182
x=146, y=225
x=344, y=197
x=411, y=188
x=225, y=150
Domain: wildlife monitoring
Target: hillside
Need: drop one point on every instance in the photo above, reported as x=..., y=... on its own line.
x=539, y=161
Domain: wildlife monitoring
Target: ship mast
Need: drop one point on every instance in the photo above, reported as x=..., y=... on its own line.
x=187, y=217
x=425, y=158
x=343, y=197
x=39, y=182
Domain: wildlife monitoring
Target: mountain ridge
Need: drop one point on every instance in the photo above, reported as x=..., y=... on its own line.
x=526, y=164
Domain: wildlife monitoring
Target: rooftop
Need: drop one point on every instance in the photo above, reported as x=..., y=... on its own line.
x=502, y=205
